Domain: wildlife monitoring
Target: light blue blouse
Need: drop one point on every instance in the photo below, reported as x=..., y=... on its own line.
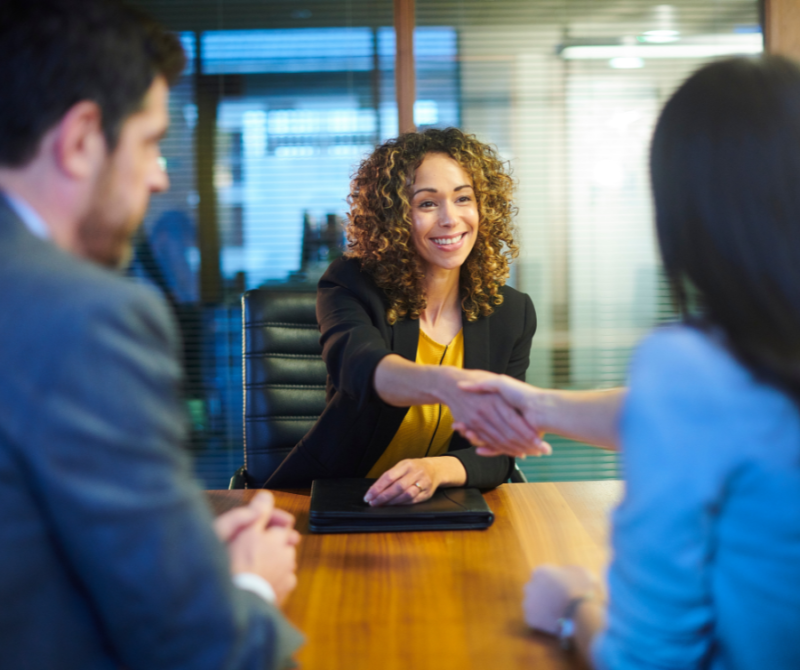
x=706, y=567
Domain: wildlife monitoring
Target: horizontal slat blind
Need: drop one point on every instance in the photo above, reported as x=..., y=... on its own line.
x=569, y=93
x=281, y=100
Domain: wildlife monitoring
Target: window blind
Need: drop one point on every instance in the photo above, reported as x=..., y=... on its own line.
x=281, y=100
x=569, y=92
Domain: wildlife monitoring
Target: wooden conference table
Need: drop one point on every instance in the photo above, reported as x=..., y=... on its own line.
x=440, y=599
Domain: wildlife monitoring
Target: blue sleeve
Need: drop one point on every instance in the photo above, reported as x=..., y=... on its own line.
x=674, y=427
x=125, y=512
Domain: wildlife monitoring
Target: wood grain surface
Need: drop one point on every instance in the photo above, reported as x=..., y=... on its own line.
x=440, y=599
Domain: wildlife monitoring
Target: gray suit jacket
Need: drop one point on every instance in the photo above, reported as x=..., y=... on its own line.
x=107, y=553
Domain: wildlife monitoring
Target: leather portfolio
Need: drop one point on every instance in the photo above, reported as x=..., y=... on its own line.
x=337, y=506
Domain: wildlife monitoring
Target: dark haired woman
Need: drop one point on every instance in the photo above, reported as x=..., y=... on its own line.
x=706, y=568
x=419, y=300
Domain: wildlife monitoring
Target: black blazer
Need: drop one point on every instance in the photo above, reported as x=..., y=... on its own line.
x=356, y=426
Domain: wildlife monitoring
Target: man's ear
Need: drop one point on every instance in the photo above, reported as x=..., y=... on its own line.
x=80, y=146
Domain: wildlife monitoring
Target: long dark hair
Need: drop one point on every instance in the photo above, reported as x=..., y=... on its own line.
x=725, y=167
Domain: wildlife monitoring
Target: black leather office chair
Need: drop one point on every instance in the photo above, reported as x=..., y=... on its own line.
x=517, y=475
x=284, y=378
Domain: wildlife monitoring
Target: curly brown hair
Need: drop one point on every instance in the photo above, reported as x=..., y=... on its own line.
x=379, y=228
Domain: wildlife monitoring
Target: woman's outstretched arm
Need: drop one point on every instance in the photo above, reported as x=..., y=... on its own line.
x=402, y=383
x=587, y=416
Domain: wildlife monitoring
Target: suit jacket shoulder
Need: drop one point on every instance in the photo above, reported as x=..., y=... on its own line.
x=96, y=488
x=348, y=274
x=517, y=308
x=53, y=288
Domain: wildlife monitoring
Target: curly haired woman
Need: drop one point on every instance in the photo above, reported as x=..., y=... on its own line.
x=418, y=305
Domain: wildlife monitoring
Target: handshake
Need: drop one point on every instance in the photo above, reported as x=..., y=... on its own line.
x=499, y=414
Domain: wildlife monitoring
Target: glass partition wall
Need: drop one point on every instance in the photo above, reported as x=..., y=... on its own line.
x=282, y=100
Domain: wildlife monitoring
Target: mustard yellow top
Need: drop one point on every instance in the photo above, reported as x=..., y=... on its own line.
x=426, y=429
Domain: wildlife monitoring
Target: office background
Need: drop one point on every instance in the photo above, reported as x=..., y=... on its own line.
x=282, y=99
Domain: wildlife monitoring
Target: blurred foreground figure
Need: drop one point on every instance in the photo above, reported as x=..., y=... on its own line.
x=109, y=556
x=706, y=567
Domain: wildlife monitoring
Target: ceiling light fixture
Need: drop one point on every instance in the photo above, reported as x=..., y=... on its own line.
x=626, y=63
x=660, y=36
x=701, y=46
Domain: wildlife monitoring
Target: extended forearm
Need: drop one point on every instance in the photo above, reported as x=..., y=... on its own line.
x=401, y=383
x=587, y=416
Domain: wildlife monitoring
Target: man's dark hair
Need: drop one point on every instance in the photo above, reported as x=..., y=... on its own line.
x=56, y=53
x=725, y=167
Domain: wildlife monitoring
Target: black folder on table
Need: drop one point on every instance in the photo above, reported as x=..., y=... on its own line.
x=337, y=506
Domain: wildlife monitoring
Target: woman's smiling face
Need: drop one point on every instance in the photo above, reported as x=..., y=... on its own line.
x=444, y=213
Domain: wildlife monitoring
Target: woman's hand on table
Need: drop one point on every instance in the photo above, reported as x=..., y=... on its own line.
x=565, y=602
x=414, y=480
x=551, y=590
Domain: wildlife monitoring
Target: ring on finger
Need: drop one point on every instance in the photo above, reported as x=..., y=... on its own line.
x=419, y=486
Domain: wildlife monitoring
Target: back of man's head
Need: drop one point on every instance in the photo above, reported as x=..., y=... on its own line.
x=55, y=53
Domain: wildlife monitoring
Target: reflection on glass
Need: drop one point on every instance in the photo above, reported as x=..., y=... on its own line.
x=567, y=91
x=286, y=147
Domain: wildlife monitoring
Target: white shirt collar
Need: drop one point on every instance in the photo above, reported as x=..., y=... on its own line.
x=29, y=216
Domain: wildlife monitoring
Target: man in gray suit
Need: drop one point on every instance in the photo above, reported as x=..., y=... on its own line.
x=108, y=553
